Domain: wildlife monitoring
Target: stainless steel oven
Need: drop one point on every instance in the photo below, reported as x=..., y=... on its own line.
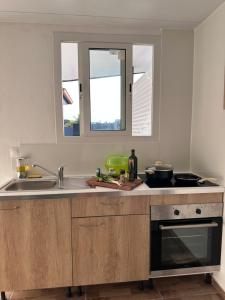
x=185, y=239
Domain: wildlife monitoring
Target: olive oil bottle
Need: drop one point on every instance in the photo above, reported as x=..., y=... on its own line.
x=132, y=165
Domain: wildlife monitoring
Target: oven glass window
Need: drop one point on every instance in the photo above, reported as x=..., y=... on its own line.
x=182, y=247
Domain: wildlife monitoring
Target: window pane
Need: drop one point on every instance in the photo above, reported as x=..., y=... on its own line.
x=107, y=89
x=70, y=89
x=142, y=90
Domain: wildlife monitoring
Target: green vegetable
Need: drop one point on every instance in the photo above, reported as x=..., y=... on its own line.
x=107, y=178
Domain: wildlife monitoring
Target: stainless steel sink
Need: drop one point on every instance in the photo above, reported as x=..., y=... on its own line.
x=69, y=183
x=75, y=183
x=30, y=185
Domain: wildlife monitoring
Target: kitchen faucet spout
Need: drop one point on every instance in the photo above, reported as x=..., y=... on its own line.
x=59, y=175
x=43, y=168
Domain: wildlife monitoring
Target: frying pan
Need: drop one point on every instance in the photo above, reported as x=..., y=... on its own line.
x=190, y=179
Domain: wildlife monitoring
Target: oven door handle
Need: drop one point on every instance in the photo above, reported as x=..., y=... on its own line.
x=204, y=225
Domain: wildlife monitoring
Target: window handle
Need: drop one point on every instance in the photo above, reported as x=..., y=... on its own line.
x=80, y=87
x=130, y=87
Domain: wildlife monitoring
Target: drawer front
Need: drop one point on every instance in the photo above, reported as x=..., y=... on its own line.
x=186, y=199
x=106, y=206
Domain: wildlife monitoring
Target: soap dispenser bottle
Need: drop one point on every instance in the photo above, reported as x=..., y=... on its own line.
x=21, y=168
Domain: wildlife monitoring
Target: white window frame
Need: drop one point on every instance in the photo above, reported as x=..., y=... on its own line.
x=104, y=41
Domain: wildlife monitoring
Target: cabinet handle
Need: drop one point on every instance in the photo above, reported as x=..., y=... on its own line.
x=91, y=225
x=9, y=208
x=112, y=203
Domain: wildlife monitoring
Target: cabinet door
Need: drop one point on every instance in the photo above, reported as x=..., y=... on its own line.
x=110, y=249
x=35, y=244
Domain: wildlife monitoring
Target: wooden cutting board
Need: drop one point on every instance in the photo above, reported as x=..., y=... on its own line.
x=93, y=182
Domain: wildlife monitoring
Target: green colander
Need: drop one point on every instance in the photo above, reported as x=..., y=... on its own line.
x=116, y=162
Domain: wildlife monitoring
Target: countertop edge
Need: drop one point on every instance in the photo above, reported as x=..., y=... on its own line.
x=142, y=190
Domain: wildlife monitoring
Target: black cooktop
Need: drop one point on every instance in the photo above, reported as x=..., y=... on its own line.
x=153, y=183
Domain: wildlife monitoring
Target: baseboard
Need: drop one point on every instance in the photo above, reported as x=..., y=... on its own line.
x=218, y=288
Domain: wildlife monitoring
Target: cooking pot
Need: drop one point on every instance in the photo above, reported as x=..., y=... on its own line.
x=159, y=171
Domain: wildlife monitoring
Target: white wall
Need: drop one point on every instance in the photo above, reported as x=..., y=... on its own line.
x=176, y=96
x=208, y=121
x=27, y=109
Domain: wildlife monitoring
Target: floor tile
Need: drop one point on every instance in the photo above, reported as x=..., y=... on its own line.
x=121, y=292
x=173, y=288
x=184, y=286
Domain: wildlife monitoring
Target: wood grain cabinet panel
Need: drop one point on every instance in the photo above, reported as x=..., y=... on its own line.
x=35, y=244
x=110, y=249
x=114, y=206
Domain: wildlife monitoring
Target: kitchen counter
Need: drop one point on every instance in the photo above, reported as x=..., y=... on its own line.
x=70, y=232
x=142, y=190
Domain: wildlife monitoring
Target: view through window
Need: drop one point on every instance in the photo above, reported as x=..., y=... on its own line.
x=107, y=89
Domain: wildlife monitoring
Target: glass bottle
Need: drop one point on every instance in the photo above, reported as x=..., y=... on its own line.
x=21, y=168
x=135, y=163
x=132, y=166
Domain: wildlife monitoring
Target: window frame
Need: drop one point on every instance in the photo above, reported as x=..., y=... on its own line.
x=102, y=40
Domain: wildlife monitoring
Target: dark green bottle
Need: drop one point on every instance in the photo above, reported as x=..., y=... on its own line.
x=133, y=165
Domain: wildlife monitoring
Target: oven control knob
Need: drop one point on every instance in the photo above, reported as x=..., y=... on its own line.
x=198, y=211
x=176, y=212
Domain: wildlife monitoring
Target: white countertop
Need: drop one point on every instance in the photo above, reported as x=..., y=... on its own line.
x=143, y=190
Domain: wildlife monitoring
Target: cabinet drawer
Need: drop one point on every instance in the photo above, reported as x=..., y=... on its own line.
x=186, y=198
x=105, y=206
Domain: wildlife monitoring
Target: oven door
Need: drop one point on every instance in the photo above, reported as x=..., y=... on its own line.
x=179, y=244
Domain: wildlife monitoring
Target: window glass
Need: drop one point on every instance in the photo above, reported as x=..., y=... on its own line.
x=142, y=91
x=107, y=89
x=70, y=89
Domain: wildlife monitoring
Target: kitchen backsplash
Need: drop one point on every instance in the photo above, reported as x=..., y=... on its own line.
x=84, y=158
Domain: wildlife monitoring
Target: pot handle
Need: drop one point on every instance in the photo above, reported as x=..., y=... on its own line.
x=150, y=170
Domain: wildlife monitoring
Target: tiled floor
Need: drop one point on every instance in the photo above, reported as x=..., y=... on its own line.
x=175, y=288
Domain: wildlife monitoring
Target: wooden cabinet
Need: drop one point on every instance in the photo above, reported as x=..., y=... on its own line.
x=35, y=244
x=110, y=249
x=108, y=205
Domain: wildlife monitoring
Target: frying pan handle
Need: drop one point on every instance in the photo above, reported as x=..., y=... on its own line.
x=202, y=180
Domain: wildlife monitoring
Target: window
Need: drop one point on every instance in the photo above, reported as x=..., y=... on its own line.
x=142, y=90
x=106, y=88
x=70, y=89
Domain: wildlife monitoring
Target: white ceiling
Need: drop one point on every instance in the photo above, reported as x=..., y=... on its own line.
x=156, y=14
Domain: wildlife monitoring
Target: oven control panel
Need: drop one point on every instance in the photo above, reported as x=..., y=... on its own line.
x=168, y=212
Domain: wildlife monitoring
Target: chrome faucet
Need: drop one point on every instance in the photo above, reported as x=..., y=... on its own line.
x=59, y=175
